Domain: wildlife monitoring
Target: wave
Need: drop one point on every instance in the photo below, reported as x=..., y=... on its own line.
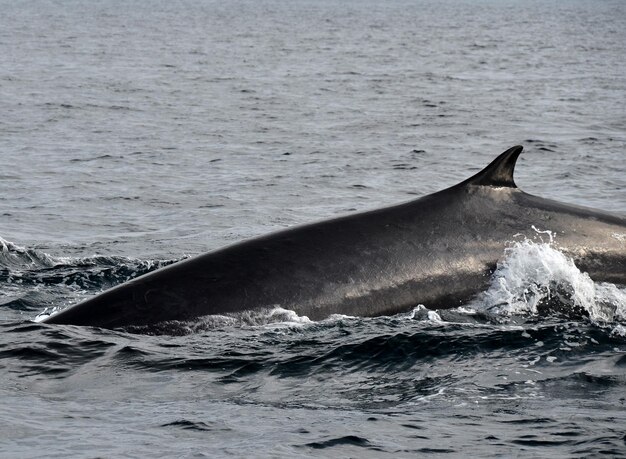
x=30, y=267
x=17, y=257
x=386, y=364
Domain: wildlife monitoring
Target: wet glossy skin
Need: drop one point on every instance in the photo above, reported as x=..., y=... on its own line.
x=438, y=251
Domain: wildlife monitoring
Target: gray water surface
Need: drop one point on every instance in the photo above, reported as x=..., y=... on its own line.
x=137, y=133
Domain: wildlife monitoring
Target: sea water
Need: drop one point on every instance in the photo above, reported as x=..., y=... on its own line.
x=136, y=134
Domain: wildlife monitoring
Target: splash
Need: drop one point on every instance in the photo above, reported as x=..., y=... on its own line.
x=47, y=312
x=535, y=278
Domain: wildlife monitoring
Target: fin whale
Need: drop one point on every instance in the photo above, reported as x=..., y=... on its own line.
x=438, y=250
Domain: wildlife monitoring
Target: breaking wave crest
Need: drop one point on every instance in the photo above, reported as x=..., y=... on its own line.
x=30, y=267
x=34, y=281
x=13, y=256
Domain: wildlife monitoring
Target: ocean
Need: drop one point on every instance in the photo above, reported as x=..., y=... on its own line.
x=137, y=134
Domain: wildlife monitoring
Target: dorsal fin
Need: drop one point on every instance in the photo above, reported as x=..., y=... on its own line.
x=499, y=172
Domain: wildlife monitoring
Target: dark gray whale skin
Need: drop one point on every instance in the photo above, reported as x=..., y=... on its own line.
x=438, y=251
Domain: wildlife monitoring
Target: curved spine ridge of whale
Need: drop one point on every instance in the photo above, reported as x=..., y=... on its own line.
x=438, y=250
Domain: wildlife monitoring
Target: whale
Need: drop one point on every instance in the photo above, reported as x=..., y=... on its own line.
x=438, y=251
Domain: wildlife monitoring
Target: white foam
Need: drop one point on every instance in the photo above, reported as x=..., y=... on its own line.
x=46, y=313
x=434, y=317
x=275, y=317
x=532, y=272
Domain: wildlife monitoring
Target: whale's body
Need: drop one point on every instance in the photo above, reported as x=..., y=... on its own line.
x=438, y=251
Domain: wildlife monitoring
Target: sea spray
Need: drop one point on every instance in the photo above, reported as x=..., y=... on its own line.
x=535, y=278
